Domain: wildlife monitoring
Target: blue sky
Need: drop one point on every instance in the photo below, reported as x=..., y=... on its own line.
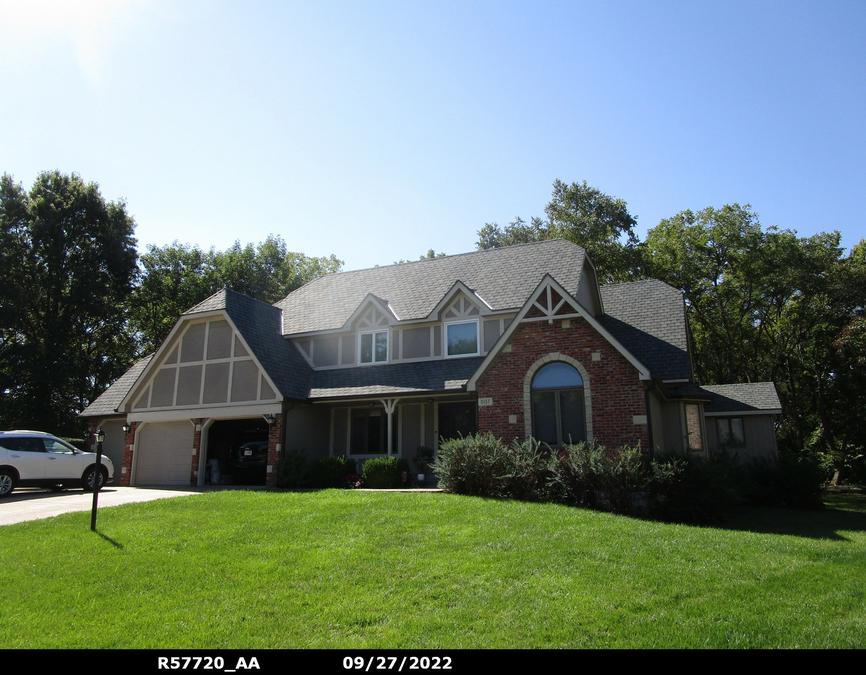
x=377, y=130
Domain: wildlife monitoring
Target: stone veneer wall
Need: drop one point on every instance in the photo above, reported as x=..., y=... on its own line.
x=617, y=395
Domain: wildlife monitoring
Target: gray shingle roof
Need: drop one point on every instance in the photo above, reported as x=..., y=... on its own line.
x=400, y=378
x=747, y=397
x=649, y=320
x=108, y=401
x=503, y=277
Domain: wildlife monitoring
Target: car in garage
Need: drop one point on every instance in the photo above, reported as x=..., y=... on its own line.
x=38, y=459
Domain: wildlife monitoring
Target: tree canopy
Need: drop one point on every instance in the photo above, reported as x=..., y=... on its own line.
x=178, y=276
x=69, y=264
x=586, y=216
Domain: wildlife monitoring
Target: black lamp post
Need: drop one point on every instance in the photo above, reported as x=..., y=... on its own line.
x=97, y=475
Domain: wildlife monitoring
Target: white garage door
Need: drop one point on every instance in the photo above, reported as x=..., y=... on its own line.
x=164, y=454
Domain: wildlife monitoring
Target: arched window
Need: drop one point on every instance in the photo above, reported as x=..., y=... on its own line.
x=557, y=405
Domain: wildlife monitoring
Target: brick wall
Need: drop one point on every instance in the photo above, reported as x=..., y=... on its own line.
x=616, y=393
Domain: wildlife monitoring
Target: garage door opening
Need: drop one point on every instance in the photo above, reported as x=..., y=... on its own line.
x=237, y=452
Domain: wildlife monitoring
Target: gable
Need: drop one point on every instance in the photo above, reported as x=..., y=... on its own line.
x=204, y=362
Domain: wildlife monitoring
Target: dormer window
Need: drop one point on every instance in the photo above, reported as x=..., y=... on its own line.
x=373, y=347
x=461, y=338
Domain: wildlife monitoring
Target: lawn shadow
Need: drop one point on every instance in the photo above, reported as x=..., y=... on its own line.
x=824, y=523
x=111, y=541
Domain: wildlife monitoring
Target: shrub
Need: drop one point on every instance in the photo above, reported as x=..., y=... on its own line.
x=484, y=466
x=293, y=470
x=382, y=473
x=691, y=489
x=789, y=481
x=588, y=474
x=330, y=472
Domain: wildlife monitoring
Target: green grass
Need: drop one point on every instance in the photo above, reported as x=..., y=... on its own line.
x=355, y=569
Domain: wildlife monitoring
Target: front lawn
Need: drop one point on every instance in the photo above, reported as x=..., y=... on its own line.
x=356, y=569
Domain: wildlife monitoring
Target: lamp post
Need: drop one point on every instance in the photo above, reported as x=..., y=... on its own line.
x=97, y=474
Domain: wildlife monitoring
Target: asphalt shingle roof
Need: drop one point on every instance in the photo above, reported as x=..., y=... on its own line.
x=399, y=378
x=746, y=397
x=108, y=401
x=503, y=277
x=649, y=320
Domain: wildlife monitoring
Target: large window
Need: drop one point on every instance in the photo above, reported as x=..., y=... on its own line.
x=373, y=347
x=461, y=338
x=557, y=405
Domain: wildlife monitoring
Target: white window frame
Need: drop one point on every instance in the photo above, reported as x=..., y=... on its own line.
x=477, y=338
x=375, y=332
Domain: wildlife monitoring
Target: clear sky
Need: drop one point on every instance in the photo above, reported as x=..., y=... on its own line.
x=376, y=130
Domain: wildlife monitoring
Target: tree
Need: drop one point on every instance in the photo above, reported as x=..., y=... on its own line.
x=69, y=263
x=767, y=305
x=586, y=216
x=179, y=276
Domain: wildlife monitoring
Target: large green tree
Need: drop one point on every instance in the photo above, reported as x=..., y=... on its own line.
x=586, y=216
x=69, y=264
x=178, y=276
x=765, y=304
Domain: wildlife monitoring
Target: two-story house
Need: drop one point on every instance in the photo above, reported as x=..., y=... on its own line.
x=520, y=341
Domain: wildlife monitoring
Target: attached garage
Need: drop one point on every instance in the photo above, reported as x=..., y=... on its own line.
x=164, y=454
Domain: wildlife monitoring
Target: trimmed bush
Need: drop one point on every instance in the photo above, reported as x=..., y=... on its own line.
x=330, y=472
x=384, y=473
x=293, y=470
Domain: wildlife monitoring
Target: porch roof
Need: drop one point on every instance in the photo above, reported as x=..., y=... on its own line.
x=392, y=379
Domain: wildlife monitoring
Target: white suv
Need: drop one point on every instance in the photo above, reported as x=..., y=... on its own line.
x=37, y=459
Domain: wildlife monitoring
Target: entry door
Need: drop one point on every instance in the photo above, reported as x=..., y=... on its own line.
x=457, y=419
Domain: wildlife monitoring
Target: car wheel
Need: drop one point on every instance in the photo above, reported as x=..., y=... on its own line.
x=87, y=481
x=7, y=482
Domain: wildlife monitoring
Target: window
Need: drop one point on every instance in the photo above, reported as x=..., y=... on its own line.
x=369, y=433
x=461, y=338
x=373, y=347
x=730, y=432
x=557, y=405
x=694, y=437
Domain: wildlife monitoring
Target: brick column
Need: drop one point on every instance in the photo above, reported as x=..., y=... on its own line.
x=126, y=469
x=274, y=436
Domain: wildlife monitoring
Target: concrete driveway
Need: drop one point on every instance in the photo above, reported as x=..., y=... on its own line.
x=34, y=503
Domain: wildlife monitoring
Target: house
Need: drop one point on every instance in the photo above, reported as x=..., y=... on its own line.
x=520, y=341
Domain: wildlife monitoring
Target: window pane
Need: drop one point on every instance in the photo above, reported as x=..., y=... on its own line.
x=462, y=338
x=544, y=417
x=557, y=376
x=367, y=348
x=381, y=347
x=724, y=430
x=693, y=427
x=737, y=435
x=571, y=415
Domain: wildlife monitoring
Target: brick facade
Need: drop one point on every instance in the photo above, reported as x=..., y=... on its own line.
x=611, y=384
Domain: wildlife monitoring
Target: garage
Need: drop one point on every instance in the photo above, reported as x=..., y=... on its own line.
x=237, y=452
x=164, y=453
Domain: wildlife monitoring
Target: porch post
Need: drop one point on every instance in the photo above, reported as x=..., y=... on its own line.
x=390, y=406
